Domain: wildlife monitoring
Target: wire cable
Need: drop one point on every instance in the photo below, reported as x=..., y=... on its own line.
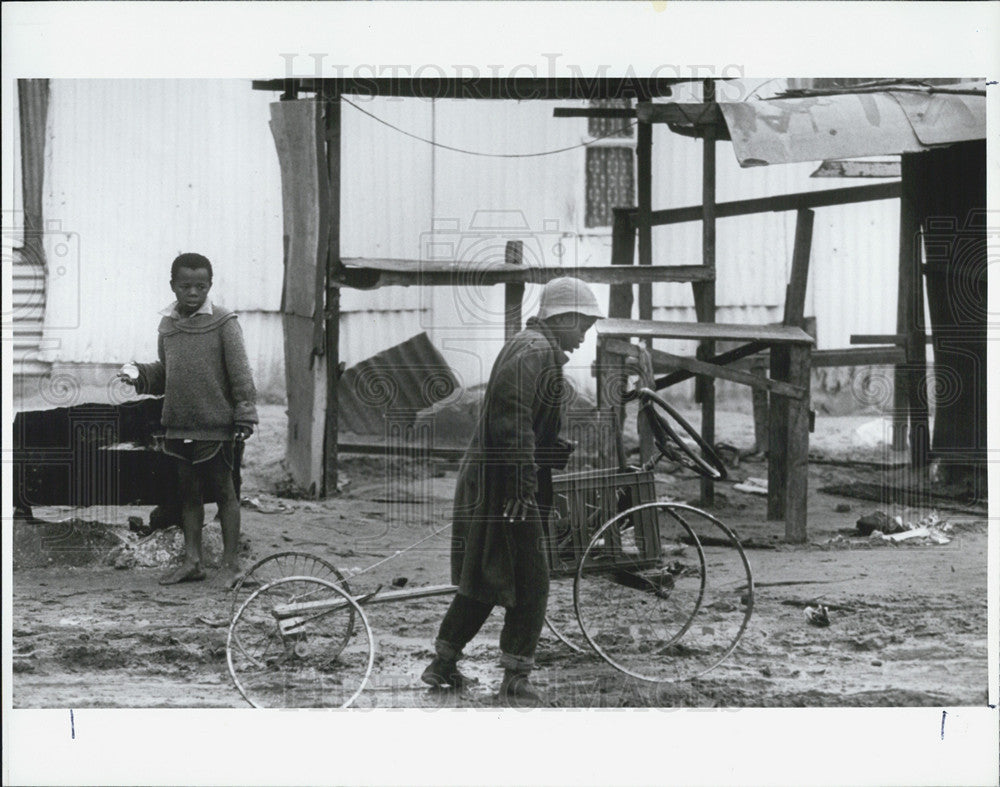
x=467, y=152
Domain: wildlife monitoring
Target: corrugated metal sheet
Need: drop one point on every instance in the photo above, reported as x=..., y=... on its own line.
x=396, y=384
x=138, y=171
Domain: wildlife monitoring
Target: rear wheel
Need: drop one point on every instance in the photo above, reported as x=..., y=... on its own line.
x=290, y=646
x=674, y=620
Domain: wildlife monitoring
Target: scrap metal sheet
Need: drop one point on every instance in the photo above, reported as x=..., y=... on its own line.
x=814, y=128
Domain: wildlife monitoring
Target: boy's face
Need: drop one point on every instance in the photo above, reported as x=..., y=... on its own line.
x=191, y=286
x=569, y=329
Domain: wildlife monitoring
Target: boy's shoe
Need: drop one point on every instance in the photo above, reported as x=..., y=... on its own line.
x=443, y=673
x=517, y=691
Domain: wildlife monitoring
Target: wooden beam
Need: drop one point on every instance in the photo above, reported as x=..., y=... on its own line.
x=723, y=358
x=878, y=338
x=705, y=114
x=780, y=202
x=910, y=405
x=644, y=197
x=885, y=355
x=704, y=292
x=519, y=89
x=332, y=106
x=622, y=254
x=717, y=331
x=708, y=369
x=593, y=112
x=513, y=292
x=362, y=273
x=797, y=456
x=777, y=445
x=795, y=294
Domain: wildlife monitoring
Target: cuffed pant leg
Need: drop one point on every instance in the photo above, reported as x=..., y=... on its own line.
x=524, y=621
x=462, y=621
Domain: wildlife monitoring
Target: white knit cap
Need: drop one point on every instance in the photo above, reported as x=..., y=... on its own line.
x=568, y=295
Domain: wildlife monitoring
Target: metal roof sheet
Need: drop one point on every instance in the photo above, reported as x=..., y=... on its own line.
x=845, y=125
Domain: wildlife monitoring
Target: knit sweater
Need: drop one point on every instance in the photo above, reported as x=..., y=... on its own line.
x=203, y=374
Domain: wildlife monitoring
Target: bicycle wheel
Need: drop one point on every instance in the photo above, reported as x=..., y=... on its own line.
x=283, y=564
x=286, y=646
x=679, y=620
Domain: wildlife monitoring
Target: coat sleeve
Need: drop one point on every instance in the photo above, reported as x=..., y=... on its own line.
x=152, y=376
x=511, y=434
x=240, y=376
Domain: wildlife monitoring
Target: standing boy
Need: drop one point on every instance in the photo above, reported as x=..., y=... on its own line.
x=208, y=401
x=504, y=493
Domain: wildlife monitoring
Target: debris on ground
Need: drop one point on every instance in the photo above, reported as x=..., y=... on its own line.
x=753, y=486
x=842, y=508
x=267, y=504
x=817, y=616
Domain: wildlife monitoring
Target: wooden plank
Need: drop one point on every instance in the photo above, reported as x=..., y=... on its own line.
x=777, y=444
x=859, y=356
x=363, y=273
x=780, y=202
x=331, y=209
x=910, y=406
x=795, y=296
x=513, y=292
x=705, y=114
x=704, y=292
x=661, y=329
x=707, y=369
x=878, y=338
x=723, y=358
x=644, y=197
x=797, y=456
x=475, y=87
x=593, y=112
x=622, y=254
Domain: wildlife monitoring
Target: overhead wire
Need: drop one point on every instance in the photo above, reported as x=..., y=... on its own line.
x=468, y=152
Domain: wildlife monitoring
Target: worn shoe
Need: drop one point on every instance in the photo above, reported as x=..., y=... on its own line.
x=443, y=673
x=517, y=691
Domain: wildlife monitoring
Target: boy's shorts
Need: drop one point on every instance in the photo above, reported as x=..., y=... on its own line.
x=196, y=452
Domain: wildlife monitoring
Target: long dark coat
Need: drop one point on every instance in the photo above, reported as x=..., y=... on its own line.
x=520, y=419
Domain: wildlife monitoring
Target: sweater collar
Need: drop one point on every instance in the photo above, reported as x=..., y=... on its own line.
x=171, y=310
x=537, y=325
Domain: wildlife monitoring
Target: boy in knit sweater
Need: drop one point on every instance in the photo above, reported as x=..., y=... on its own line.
x=209, y=400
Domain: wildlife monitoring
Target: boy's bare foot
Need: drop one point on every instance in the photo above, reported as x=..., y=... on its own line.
x=229, y=576
x=186, y=572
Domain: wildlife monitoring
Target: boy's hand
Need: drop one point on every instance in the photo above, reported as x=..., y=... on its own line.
x=129, y=374
x=243, y=432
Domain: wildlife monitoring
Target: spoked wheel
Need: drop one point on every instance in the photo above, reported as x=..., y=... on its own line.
x=283, y=564
x=290, y=646
x=560, y=616
x=671, y=445
x=674, y=620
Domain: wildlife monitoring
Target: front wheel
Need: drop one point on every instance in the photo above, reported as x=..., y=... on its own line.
x=671, y=619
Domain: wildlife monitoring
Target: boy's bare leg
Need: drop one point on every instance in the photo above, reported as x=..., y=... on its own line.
x=192, y=520
x=229, y=515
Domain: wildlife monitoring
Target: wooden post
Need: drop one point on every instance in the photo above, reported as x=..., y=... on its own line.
x=910, y=407
x=513, y=293
x=797, y=468
x=643, y=219
x=332, y=313
x=788, y=444
x=704, y=292
x=622, y=253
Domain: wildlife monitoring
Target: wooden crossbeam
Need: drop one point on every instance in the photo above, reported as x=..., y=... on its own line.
x=781, y=202
x=659, y=329
x=364, y=273
x=859, y=356
x=723, y=372
x=593, y=112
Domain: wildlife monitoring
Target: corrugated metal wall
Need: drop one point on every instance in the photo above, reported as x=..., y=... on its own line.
x=139, y=170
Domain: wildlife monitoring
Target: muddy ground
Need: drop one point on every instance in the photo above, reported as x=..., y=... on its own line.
x=908, y=622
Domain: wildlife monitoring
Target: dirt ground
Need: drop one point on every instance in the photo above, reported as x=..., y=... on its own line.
x=908, y=621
